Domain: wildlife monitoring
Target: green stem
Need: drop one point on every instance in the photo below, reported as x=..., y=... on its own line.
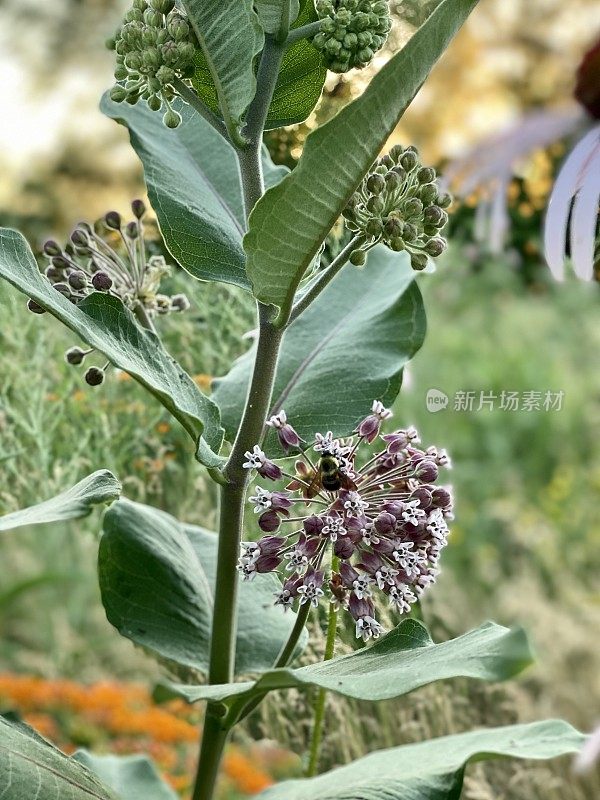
x=192, y=99
x=324, y=278
x=304, y=32
x=214, y=739
x=233, y=491
x=317, y=735
x=266, y=80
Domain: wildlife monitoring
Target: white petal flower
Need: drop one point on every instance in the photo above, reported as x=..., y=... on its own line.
x=261, y=500
x=254, y=459
x=368, y=628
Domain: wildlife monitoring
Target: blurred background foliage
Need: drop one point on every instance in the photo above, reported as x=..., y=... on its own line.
x=526, y=543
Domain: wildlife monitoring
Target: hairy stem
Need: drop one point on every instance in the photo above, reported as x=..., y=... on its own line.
x=190, y=97
x=266, y=80
x=214, y=738
x=250, y=432
x=319, y=719
x=304, y=32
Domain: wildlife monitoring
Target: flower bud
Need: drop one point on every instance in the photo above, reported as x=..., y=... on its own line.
x=154, y=102
x=75, y=356
x=375, y=183
x=426, y=175
x=385, y=523
x=51, y=248
x=112, y=220
x=77, y=280
x=358, y=258
x=94, y=376
x=34, y=307
x=435, y=247
x=418, y=261
x=409, y=160
x=101, y=281
x=269, y=521
x=171, y=118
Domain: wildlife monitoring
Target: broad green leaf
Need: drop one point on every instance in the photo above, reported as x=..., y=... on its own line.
x=30, y=768
x=194, y=186
x=270, y=13
x=78, y=501
x=288, y=225
x=132, y=777
x=299, y=84
x=301, y=77
x=103, y=322
x=230, y=37
x=431, y=770
x=340, y=354
x=156, y=579
x=403, y=660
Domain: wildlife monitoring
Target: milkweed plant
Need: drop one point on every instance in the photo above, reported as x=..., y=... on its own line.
x=349, y=513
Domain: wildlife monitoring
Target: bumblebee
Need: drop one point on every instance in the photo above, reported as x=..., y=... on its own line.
x=329, y=476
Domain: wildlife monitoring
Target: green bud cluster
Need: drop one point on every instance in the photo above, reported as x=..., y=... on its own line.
x=352, y=31
x=154, y=46
x=399, y=204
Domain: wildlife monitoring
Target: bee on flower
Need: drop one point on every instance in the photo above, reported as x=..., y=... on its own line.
x=348, y=526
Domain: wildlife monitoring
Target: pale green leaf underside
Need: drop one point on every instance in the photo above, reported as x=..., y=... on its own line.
x=230, y=36
x=288, y=225
x=131, y=777
x=431, y=770
x=103, y=322
x=340, y=354
x=194, y=187
x=270, y=13
x=32, y=769
x=156, y=579
x=401, y=661
x=78, y=501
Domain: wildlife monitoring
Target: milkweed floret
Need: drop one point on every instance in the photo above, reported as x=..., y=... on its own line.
x=111, y=257
x=154, y=46
x=400, y=205
x=387, y=524
x=351, y=32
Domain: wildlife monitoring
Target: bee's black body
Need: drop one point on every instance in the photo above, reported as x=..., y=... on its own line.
x=329, y=476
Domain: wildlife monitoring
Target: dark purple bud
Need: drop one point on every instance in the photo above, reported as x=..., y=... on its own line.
x=138, y=208
x=441, y=498
x=369, y=427
x=315, y=576
x=313, y=525
x=94, y=376
x=269, y=521
x=267, y=563
x=348, y=574
x=77, y=280
x=79, y=238
x=113, y=220
x=370, y=563
x=268, y=469
x=270, y=544
x=360, y=608
x=308, y=547
x=60, y=262
x=35, y=308
x=385, y=523
x=62, y=288
x=53, y=274
x=343, y=547
x=131, y=230
x=395, y=508
x=75, y=356
x=101, y=281
x=288, y=437
x=51, y=248
x=423, y=495
x=426, y=471
x=280, y=501
x=384, y=546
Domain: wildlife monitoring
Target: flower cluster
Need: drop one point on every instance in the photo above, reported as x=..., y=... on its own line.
x=399, y=204
x=111, y=257
x=351, y=32
x=155, y=45
x=355, y=528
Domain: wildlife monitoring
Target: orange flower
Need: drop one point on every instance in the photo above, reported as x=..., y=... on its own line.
x=247, y=777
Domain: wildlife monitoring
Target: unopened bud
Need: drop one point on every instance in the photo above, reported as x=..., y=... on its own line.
x=358, y=258
x=172, y=119
x=94, y=376
x=101, y=281
x=75, y=356
x=113, y=220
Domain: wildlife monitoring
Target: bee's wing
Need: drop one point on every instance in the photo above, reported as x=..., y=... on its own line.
x=347, y=483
